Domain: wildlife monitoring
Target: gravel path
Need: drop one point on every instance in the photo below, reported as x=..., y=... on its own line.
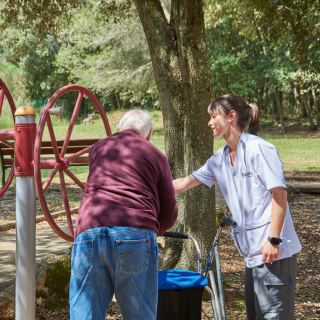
x=305, y=209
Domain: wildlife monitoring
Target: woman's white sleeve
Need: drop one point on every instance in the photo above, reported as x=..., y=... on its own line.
x=269, y=166
x=205, y=174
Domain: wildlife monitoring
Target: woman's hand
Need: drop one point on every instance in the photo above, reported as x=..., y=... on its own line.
x=269, y=252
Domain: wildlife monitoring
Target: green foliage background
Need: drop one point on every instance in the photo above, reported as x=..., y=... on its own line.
x=256, y=48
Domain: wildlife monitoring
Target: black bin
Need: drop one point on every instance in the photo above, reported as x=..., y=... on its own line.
x=180, y=304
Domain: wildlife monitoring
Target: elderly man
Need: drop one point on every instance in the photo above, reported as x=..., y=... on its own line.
x=128, y=199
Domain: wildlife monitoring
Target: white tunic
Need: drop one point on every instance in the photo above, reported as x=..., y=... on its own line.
x=246, y=189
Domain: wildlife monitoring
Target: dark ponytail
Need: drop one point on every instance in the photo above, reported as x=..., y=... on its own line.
x=223, y=105
x=254, y=126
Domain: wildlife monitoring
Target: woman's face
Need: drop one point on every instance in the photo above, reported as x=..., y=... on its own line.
x=219, y=124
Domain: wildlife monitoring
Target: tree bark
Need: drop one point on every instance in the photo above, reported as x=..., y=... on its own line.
x=291, y=102
x=278, y=99
x=307, y=106
x=298, y=100
x=260, y=97
x=119, y=101
x=315, y=101
x=267, y=100
x=182, y=71
x=114, y=101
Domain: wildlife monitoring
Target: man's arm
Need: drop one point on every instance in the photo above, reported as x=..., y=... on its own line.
x=278, y=213
x=183, y=184
x=168, y=205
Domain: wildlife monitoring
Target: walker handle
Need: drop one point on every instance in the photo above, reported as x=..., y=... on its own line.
x=228, y=220
x=175, y=235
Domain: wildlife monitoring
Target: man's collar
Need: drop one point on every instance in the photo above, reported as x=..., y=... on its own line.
x=131, y=131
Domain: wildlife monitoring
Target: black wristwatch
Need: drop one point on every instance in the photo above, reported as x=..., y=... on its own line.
x=275, y=241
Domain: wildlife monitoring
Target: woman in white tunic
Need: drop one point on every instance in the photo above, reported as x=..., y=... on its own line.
x=250, y=175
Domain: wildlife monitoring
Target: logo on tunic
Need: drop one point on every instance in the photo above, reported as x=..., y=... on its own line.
x=247, y=174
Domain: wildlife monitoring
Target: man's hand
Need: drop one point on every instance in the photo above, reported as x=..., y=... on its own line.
x=269, y=252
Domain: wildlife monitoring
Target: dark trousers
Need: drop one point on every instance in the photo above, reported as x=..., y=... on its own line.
x=270, y=290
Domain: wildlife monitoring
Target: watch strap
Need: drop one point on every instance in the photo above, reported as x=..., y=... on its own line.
x=274, y=241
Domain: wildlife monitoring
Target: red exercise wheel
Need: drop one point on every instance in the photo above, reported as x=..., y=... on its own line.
x=61, y=163
x=6, y=134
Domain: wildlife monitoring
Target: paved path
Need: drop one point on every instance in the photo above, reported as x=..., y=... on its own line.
x=47, y=242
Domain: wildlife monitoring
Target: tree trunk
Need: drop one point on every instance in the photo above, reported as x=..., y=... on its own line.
x=260, y=96
x=267, y=100
x=315, y=101
x=307, y=106
x=291, y=102
x=278, y=99
x=299, y=105
x=114, y=101
x=182, y=72
x=119, y=101
x=274, y=107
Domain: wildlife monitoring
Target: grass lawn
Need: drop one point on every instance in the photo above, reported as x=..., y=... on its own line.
x=297, y=153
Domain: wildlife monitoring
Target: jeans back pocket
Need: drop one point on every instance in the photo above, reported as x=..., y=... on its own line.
x=134, y=255
x=81, y=261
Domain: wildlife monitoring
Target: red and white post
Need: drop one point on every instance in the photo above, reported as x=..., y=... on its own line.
x=24, y=138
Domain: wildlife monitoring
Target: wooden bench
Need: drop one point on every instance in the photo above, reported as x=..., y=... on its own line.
x=7, y=154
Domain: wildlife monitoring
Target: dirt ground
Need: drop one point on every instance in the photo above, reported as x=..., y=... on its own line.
x=305, y=210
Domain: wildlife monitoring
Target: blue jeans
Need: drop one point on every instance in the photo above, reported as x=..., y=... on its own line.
x=120, y=260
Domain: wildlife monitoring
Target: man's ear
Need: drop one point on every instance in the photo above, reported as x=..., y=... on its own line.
x=149, y=135
x=118, y=128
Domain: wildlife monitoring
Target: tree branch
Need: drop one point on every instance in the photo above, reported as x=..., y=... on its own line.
x=166, y=12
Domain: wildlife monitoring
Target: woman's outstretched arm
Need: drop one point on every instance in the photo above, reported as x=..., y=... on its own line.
x=183, y=184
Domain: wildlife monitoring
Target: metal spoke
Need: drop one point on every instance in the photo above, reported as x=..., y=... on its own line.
x=1, y=99
x=80, y=153
x=74, y=178
x=66, y=202
x=51, y=176
x=72, y=122
x=53, y=138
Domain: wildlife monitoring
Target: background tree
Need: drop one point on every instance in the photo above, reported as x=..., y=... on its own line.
x=132, y=52
x=111, y=59
x=34, y=55
x=180, y=60
x=255, y=51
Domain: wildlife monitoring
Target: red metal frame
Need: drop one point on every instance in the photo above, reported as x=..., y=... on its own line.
x=6, y=134
x=61, y=163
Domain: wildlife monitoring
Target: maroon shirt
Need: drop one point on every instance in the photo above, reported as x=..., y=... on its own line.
x=129, y=184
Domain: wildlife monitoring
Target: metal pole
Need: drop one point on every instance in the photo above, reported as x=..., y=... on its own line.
x=219, y=278
x=25, y=128
x=212, y=302
x=217, y=315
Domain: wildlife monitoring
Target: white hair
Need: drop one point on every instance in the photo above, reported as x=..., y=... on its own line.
x=136, y=119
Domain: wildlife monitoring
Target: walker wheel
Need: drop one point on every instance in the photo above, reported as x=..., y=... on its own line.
x=4, y=92
x=61, y=163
